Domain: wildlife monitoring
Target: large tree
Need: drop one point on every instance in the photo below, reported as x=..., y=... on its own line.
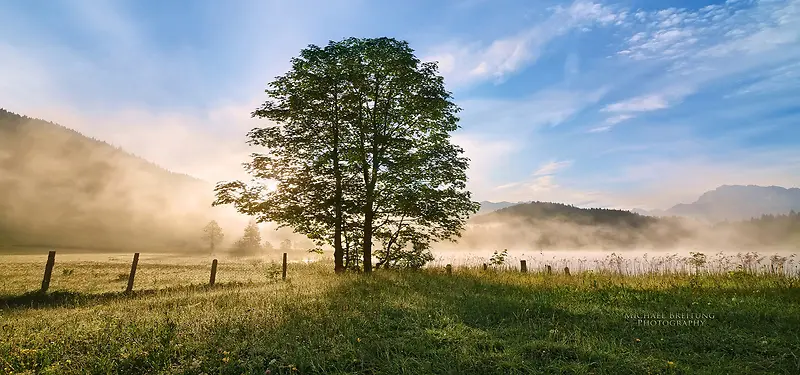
x=360, y=149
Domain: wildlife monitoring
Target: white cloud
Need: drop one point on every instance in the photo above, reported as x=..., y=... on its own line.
x=600, y=129
x=541, y=186
x=552, y=167
x=780, y=79
x=638, y=104
x=727, y=41
x=714, y=31
x=617, y=119
x=518, y=117
x=487, y=156
x=610, y=122
x=468, y=63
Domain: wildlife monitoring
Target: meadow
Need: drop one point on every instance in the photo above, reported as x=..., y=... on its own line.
x=473, y=321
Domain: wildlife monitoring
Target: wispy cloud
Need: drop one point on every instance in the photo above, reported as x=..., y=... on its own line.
x=474, y=62
x=638, y=104
x=552, y=167
x=717, y=41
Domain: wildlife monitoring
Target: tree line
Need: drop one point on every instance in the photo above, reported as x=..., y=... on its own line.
x=249, y=244
x=358, y=151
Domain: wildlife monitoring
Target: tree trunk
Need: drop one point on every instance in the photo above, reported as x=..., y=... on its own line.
x=368, y=218
x=338, y=253
x=387, y=261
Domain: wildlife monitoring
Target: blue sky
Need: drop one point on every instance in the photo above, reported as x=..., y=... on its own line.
x=614, y=104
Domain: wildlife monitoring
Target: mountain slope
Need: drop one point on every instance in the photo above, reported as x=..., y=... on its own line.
x=545, y=225
x=61, y=188
x=536, y=211
x=736, y=202
x=487, y=206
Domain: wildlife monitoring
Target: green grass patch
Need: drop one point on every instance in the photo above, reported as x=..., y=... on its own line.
x=470, y=322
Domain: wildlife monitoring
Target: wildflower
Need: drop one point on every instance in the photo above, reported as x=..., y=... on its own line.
x=637, y=340
x=671, y=364
x=225, y=352
x=267, y=372
x=358, y=339
x=226, y=359
x=294, y=368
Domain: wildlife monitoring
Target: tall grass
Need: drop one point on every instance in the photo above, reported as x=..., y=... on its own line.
x=394, y=322
x=643, y=263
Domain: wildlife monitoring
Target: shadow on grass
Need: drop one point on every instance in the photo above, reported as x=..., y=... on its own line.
x=40, y=300
x=429, y=323
x=394, y=323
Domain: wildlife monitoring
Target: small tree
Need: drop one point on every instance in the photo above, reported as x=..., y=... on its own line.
x=698, y=260
x=250, y=243
x=212, y=235
x=268, y=246
x=498, y=259
x=286, y=245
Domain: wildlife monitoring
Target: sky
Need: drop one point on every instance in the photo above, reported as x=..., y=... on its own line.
x=631, y=104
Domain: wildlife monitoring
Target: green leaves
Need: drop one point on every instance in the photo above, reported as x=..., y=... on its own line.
x=360, y=149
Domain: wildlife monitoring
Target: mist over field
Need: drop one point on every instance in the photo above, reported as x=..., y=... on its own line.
x=60, y=189
x=63, y=190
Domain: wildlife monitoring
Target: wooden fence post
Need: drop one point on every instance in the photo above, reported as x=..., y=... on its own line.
x=484, y=266
x=566, y=271
x=449, y=269
x=132, y=275
x=48, y=270
x=284, y=266
x=523, y=266
x=549, y=269
x=213, y=272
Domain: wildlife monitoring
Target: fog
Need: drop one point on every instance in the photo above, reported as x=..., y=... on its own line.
x=662, y=244
x=61, y=189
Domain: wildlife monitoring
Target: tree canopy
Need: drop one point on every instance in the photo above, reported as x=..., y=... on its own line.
x=360, y=149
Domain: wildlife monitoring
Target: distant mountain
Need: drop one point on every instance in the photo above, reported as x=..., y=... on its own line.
x=487, y=206
x=60, y=188
x=737, y=202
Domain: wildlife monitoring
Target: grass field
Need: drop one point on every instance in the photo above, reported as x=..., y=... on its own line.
x=470, y=322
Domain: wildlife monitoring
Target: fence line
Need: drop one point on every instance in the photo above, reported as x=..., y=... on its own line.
x=523, y=268
x=51, y=259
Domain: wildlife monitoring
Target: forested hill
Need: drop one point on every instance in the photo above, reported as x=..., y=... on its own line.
x=535, y=211
x=60, y=188
x=544, y=225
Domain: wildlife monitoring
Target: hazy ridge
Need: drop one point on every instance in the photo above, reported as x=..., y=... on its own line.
x=59, y=187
